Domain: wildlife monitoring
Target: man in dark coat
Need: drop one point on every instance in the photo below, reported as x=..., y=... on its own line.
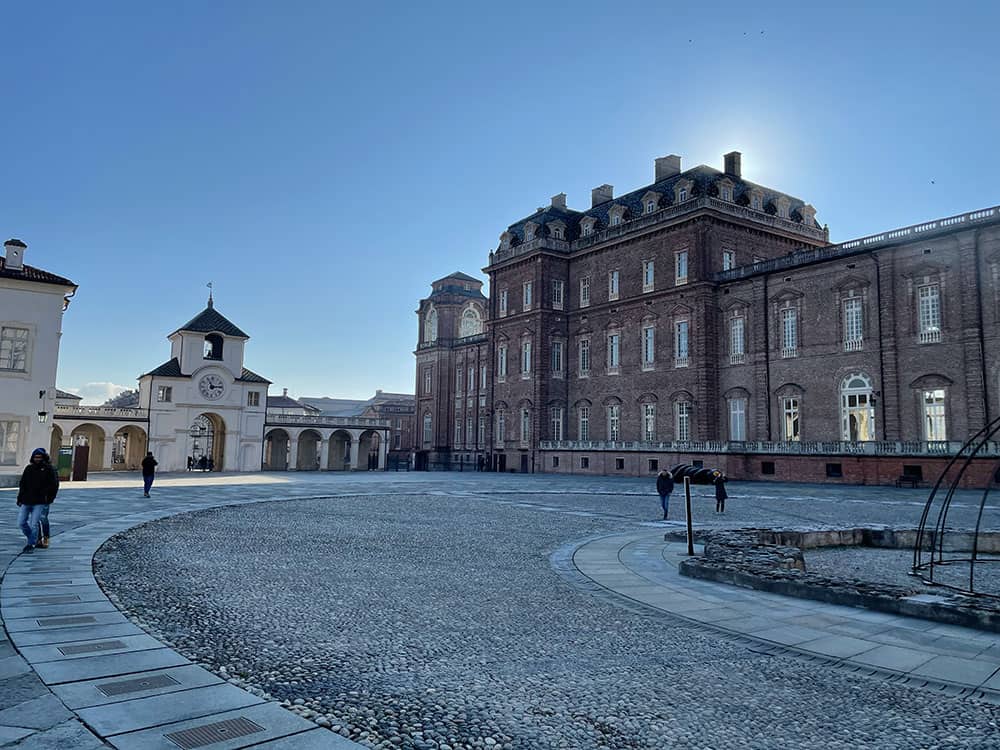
x=720, y=493
x=664, y=486
x=38, y=488
x=148, y=473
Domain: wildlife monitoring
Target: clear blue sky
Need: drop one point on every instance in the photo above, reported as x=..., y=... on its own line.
x=322, y=163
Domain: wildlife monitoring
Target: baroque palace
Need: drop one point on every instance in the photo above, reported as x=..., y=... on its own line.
x=705, y=318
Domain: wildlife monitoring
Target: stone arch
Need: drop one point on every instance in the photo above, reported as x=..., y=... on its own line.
x=339, y=451
x=94, y=437
x=369, y=443
x=213, y=346
x=471, y=321
x=308, y=453
x=129, y=448
x=431, y=325
x=55, y=441
x=277, y=446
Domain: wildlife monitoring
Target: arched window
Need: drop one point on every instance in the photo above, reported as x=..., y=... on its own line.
x=471, y=324
x=857, y=408
x=431, y=326
x=213, y=346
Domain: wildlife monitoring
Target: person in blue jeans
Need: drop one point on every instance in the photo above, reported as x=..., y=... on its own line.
x=36, y=491
x=148, y=473
x=664, y=486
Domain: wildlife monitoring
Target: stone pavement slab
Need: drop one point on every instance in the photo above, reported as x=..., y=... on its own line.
x=41, y=636
x=38, y=713
x=47, y=622
x=104, y=690
x=91, y=667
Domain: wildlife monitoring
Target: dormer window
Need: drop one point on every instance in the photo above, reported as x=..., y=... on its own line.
x=616, y=220
x=650, y=206
x=782, y=205
x=616, y=215
x=505, y=240
x=682, y=195
x=557, y=230
x=756, y=200
x=650, y=202
x=529, y=233
x=587, y=226
x=682, y=190
x=213, y=346
x=557, y=233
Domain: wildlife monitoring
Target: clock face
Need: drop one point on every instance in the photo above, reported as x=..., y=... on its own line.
x=211, y=387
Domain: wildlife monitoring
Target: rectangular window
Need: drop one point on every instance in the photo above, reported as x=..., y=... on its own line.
x=501, y=363
x=614, y=421
x=458, y=378
x=555, y=462
x=853, y=325
x=649, y=422
x=767, y=467
x=556, y=423
x=526, y=293
x=614, y=352
x=585, y=292
x=929, y=313
x=10, y=437
x=789, y=332
x=737, y=341
x=790, y=420
x=654, y=464
x=681, y=343
x=648, y=276
x=468, y=429
x=525, y=426
x=482, y=431
x=501, y=427
x=583, y=416
x=397, y=441
x=482, y=376
x=165, y=394
x=584, y=462
x=584, y=358
x=525, y=358
x=738, y=419
x=934, y=417
x=482, y=400
x=755, y=203
x=458, y=430
x=503, y=302
x=728, y=260
x=681, y=267
x=14, y=349
x=727, y=194
x=613, y=285
x=472, y=379
x=427, y=429
x=557, y=358
x=427, y=379
x=648, y=347
x=683, y=426
x=557, y=295
x=253, y=399
x=619, y=464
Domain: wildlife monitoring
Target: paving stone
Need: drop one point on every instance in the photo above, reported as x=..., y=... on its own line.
x=70, y=735
x=839, y=646
x=9, y=735
x=71, y=670
x=895, y=658
x=17, y=690
x=37, y=713
x=957, y=669
x=88, y=693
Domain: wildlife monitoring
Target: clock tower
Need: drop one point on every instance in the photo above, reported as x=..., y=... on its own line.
x=204, y=406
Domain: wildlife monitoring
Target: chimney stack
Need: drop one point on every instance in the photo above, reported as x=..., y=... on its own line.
x=601, y=194
x=732, y=164
x=14, y=251
x=559, y=201
x=284, y=391
x=667, y=166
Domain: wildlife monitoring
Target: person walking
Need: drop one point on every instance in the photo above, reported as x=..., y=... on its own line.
x=664, y=486
x=36, y=491
x=148, y=473
x=720, y=493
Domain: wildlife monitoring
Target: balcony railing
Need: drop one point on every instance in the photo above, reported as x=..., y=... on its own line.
x=829, y=448
x=789, y=352
x=66, y=411
x=930, y=336
x=854, y=345
x=681, y=362
x=862, y=245
x=737, y=358
x=273, y=419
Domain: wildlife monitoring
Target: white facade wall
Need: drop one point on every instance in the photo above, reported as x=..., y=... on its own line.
x=39, y=308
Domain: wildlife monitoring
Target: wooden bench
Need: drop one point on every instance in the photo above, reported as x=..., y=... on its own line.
x=909, y=479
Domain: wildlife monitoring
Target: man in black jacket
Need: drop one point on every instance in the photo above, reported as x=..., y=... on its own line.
x=38, y=488
x=664, y=486
x=148, y=473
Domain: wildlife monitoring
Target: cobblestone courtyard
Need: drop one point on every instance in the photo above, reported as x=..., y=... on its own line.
x=423, y=611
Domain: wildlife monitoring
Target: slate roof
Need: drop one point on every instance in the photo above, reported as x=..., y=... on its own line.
x=67, y=395
x=211, y=320
x=336, y=407
x=249, y=376
x=462, y=276
x=169, y=369
x=30, y=273
x=287, y=402
x=704, y=179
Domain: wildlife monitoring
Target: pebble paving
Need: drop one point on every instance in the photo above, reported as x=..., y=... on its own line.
x=434, y=620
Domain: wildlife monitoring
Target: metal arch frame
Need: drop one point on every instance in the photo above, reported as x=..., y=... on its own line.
x=924, y=569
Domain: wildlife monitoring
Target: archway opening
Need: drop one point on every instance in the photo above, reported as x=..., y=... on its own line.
x=308, y=454
x=91, y=437
x=207, y=443
x=55, y=442
x=857, y=408
x=276, y=449
x=368, y=447
x=128, y=448
x=340, y=451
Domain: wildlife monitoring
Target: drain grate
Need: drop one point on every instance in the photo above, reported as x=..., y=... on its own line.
x=54, y=599
x=209, y=734
x=87, y=648
x=66, y=582
x=55, y=622
x=134, y=686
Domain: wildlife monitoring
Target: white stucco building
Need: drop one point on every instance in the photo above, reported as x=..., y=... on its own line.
x=32, y=302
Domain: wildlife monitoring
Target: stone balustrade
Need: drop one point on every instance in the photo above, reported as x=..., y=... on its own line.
x=795, y=448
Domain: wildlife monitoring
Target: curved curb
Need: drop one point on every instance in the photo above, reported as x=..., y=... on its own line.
x=642, y=590
x=130, y=689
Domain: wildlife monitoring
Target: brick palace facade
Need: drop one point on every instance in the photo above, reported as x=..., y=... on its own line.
x=706, y=318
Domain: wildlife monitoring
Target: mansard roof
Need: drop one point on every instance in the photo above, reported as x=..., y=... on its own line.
x=169, y=369
x=703, y=179
x=211, y=320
